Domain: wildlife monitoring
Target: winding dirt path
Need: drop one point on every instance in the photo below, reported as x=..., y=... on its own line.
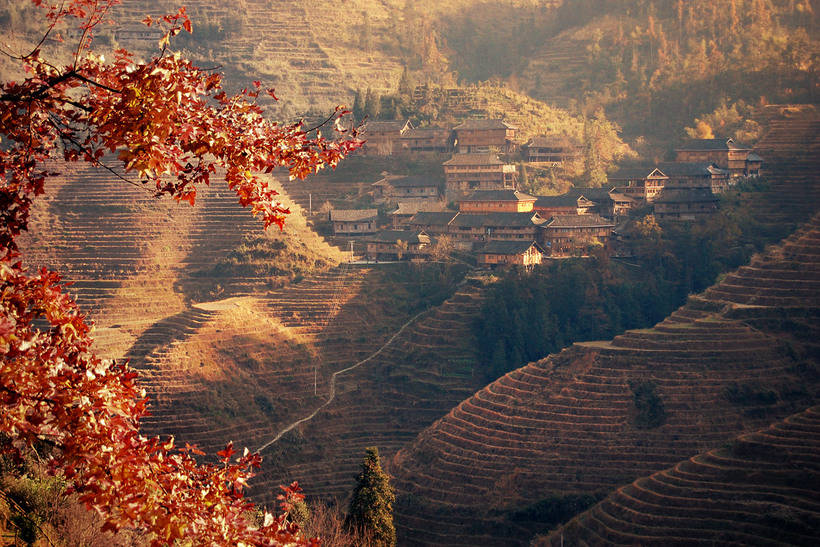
x=333, y=384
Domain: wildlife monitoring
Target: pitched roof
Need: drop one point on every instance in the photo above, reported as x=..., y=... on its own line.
x=412, y=181
x=620, y=197
x=578, y=221
x=498, y=195
x=713, y=144
x=483, y=158
x=753, y=157
x=484, y=124
x=392, y=236
x=570, y=198
x=426, y=218
x=385, y=126
x=352, y=215
x=509, y=247
x=499, y=220
x=685, y=195
x=690, y=169
x=413, y=207
x=544, y=141
x=427, y=133
x=632, y=173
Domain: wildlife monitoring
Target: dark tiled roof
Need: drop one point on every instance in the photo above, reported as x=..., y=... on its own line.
x=427, y=133
x=570, y=199
x=592, y=194
x=498, y=195
x=392, y=236
x=542, y=141
x=384, y=126
x=632, y=173
x=409, y=182
x=712, y=144
x=484, y=124
x=432, y=218
x=620, y=197
x=412, y=207
x=564, y=200
x=508, y=247
x=685, y=195
x=578, y=221
x=691, y=169
x=502, y=220
x=486, y=158
x=352, y=215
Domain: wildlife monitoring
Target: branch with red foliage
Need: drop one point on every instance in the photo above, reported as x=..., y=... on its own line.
x=171, y=124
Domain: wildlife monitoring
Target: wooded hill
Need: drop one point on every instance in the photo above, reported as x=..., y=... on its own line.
x=653, y=66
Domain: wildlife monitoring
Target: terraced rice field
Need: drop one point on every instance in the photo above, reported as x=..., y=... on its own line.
x=762, y=488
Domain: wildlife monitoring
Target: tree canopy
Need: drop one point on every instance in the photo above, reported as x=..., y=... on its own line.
x=371, y=509
x=171, y=127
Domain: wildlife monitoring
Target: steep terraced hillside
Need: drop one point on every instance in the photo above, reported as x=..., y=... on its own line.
x=135, y=259
x=601, y=414
x=239, y=369
x=385, y=402
x=244, y=368
x=762, y=488
x=310, y=51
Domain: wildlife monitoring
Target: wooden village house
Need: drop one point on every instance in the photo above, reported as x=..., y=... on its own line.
x=681, y=203
x=577, y=201
x=696, y=175
x=552, y=151
x=724, y=153
x=394, y=188
x=383, y=137
x=407, y=209
x=399, y=245
x=353, y=221
x=426, y=140
x=496, y=201
x=510, y=253
x=484, y=135
x=467, y=230
x=642, y=183
x=464, y=173
x=432, y=222
x=622, y=203
x=568, y=235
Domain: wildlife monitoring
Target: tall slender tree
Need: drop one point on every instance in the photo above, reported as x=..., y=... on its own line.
x=371, y=509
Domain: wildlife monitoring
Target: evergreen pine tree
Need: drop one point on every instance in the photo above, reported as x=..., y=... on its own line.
x=371, y=509
x=358, y=105
x=405, y=88
x=372, y=104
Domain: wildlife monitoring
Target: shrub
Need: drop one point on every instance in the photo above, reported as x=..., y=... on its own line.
x=649, y=406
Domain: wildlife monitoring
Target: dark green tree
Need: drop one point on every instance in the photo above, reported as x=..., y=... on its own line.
x=358, y=105
x=371, y=509
x=372, y=104
x=405, y=89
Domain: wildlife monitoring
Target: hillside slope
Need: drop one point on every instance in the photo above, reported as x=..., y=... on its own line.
x=578, y=424
x=134, y=260
x=761, y=488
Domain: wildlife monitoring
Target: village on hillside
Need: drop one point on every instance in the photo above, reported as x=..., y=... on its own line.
x=480, y=208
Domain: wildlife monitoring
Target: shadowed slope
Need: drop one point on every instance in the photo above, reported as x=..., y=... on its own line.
x=761, y=488
x=384, y=403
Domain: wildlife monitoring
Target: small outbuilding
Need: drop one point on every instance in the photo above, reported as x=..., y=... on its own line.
x=354, y=221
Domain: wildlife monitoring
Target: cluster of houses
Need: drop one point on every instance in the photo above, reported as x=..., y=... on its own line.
x=489, y=217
